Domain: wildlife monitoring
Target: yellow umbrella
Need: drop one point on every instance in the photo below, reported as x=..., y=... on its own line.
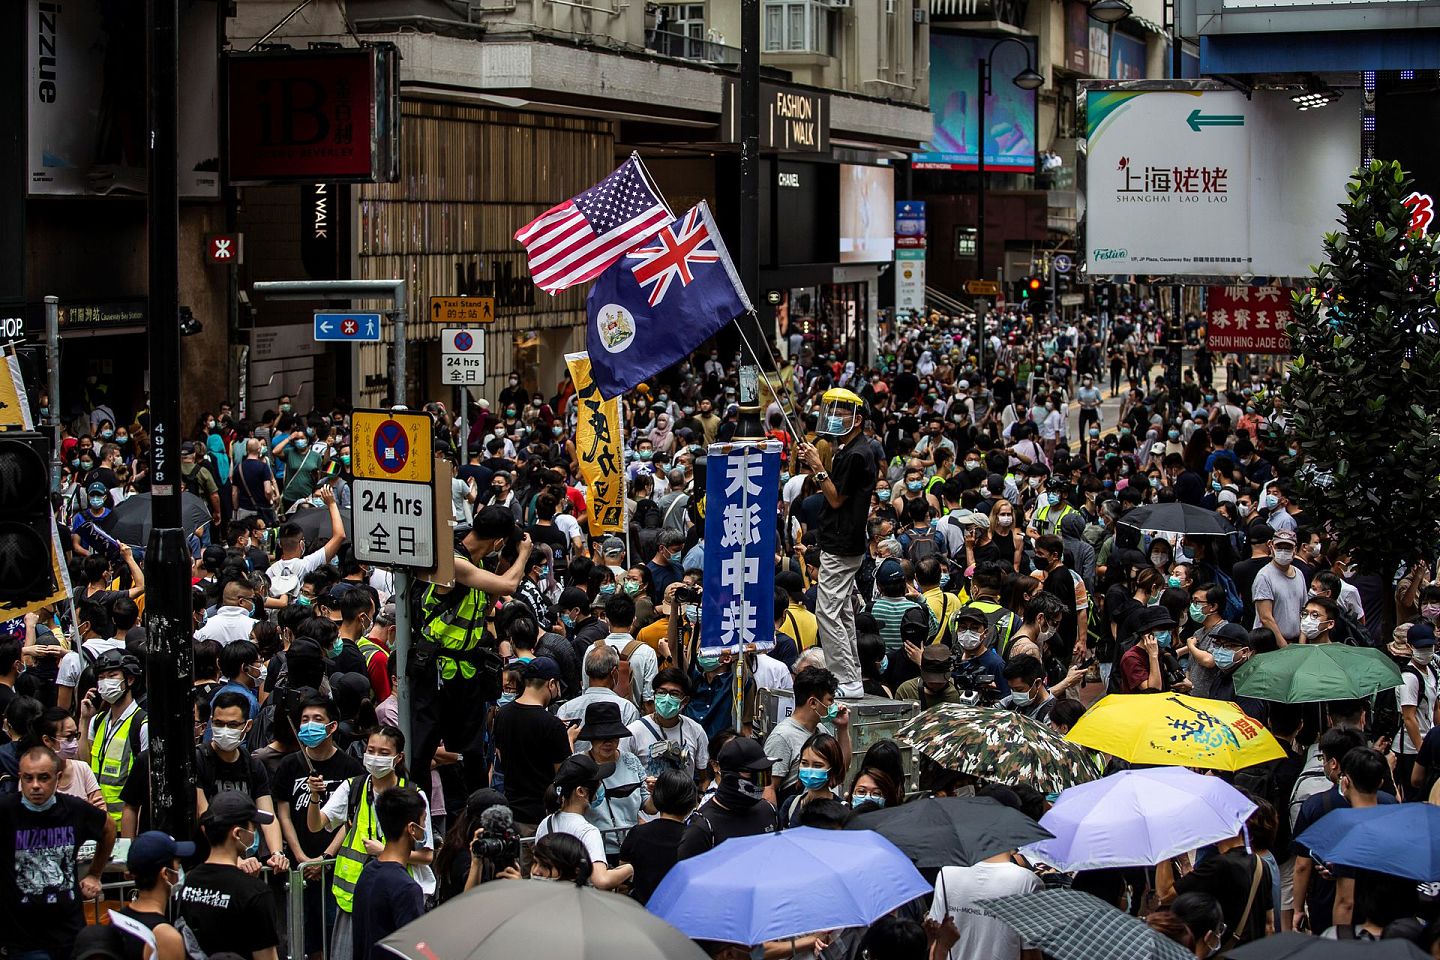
x=1171, y=729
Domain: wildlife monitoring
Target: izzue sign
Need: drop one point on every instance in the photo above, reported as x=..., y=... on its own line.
x=314, y=115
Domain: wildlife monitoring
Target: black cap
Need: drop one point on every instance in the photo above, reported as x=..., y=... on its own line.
x=1154, y=618
x=541, y=668
x=482, y=800
x=156, y=848
x=232, y=808
x=1231, y=633
x=743, y=753
x=578, y=770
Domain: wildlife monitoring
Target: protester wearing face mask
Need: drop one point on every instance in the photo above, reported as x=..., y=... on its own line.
x=225, y=907
x=530, y=741
x=577, y=787
x=1030, y=693
x=667, y=739
x=1207, y=604
x=815, y=705
x=114, y=730
x=1148, y=665
x=739, y=807
x=1416, y=698
x=1318, y=619
x=352, y=805
x=1279, y=591
x=225, y=764
x=933, y=685
x=153, y=862
x=387, y=897
x=57, y=730
x=306, y=778
x=43, y=909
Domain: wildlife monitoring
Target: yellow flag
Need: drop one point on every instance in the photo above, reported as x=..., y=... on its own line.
x=598, y=448
x=14, y=406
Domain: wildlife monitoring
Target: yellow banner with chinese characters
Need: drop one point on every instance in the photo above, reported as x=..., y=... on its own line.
x=599, y=449
x=14, y=404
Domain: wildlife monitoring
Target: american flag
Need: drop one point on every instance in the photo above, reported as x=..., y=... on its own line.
x=577, y=240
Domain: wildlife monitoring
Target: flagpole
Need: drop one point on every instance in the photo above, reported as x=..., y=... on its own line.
x=763, y=373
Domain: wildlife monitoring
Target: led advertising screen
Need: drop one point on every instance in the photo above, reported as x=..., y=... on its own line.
x=867, y=214
x=1009, y=110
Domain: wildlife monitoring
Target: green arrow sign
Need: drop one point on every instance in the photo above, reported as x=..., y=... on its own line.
x=1198, y=120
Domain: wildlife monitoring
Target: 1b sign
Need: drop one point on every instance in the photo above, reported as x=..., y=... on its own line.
x=464, y=356
x=394, y=522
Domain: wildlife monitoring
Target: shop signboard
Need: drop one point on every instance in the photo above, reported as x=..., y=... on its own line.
x=1244, y=319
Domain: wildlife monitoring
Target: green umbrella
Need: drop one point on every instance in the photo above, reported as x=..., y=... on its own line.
x=1000, y=746
x=1309, y=673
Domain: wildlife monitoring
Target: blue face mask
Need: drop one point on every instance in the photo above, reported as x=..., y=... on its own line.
x=507, y=697
x=1224, y=658
x=915, y=486
x=1053, y=499
x=1162, y=637
x=883, y=495
x=599, y=797
x=568, y=620
x=1216, y=485
x=860, y=801
x=301, y=443
x=25, y=802
x=607, y=590
x=337, y=647
x=312, y=733
x=813, y=778
x=885, y=663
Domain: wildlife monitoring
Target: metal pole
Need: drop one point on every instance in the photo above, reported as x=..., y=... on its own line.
x=983, y=87
x=464, y=443
x=167, y=558
x=401, y=385
x=749, y=95
x=52, y=353
x=402, y=652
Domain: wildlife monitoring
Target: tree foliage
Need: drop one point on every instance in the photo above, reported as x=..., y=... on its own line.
x=1364, y=385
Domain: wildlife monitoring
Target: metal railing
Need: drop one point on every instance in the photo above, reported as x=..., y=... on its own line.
x=689, y=48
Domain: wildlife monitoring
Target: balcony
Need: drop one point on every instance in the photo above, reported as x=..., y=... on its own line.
x=681, y=47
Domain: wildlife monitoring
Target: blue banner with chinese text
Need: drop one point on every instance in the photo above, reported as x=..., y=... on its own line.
x=742, y=487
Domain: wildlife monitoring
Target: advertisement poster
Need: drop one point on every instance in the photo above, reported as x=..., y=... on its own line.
x=909, y=279
x=1009, y=110
x=1127, y=57
x=1247, y=319
x=1077, y=37
x=910, y=224
x=1209, y=183
x=867, y=205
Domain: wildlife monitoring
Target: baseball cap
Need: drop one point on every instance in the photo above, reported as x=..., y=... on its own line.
x=1421, y=634
x=97, y=489
x=1285, y=536
x=232, y=808
x=1259, y=532
x=1231, y=633
x=973, y=614
x=743, y=753
x=890, y=573
x=935, y=662
x=156, y=848
x=386, y=616
x=578, y=769
x=542, y=668
x=612, y=546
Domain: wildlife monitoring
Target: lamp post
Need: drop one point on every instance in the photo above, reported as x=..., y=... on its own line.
x=1026, y=79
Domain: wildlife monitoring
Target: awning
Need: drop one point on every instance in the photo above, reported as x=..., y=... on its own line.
x=1150, y=25
x=954, y=8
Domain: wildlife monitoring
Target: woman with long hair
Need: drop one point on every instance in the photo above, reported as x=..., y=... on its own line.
x=576, y=787
x=822, y=771
x=1000, y=542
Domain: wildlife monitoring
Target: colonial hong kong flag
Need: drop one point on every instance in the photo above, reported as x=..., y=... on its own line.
x=661, y=301
x=577, y=240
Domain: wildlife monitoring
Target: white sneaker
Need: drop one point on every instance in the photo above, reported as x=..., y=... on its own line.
x=854, y=690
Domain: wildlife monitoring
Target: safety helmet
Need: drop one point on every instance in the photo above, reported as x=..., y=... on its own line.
x=841, y=411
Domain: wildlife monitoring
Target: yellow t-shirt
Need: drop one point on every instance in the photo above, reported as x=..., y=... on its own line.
x=800, y=621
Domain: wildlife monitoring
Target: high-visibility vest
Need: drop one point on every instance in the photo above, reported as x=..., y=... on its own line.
x=368, y=649
x=454, y=626
x=352, y=856
x=111, y=757
x=1047, y=526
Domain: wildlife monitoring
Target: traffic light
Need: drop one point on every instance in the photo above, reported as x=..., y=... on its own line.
x=1033, y=286
x=25, y=524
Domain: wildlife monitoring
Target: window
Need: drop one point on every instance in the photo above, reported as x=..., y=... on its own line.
x=802, y=26
x=686, y=19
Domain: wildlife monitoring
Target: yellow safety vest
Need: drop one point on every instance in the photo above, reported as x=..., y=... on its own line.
x=111, y=757
x=454, y=626
x=352, y=856
x=368, y=649
x=1042, y=517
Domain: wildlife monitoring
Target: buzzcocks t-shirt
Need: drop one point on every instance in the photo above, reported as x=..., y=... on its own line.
x=39, y=879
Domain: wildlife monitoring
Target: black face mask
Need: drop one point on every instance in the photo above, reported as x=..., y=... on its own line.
x=736, y=793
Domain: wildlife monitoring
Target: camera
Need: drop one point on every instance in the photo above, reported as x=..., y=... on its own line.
x=501, y=848
x=978, y=687
x=687, y=594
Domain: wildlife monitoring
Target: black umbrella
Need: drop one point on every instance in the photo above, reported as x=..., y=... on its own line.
x=952, y=831
x=315, y=522
x=505, y=919
x=1300, y=946
x=130, y=520
x=1178, y=518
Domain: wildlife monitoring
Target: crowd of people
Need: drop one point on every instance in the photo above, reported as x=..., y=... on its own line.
x=947, y=534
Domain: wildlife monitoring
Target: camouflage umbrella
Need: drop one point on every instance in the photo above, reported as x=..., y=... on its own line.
x=999, y=745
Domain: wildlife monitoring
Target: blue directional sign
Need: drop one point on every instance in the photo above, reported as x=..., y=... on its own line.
x=342, y=326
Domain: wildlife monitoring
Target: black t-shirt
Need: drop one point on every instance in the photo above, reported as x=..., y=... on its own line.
x=474, y=471
x=530, y=742
x=244, y=774
x=1244, y=574
x=652, y=848
x=712, y=824
x=39, y=879
x=386, y=898
x=551, y=534
x=228, y=910
x=288, y=790
x=351, y=660
x=854, y=471
x=1229, y=877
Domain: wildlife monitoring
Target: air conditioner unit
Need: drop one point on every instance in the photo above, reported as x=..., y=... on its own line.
x=840, y=3
x=921, y=15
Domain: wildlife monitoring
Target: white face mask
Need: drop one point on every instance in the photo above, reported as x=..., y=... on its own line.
x=969, y=640
x=224, y=738
x=1423, y=655
x=1048, y=631
x=378, y=766
x=1310, y=627
x=111, y=689
x=1284, y=556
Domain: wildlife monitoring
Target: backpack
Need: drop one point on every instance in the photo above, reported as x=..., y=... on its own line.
x=923, y=546
x=625, y=685
x=648, y=515
x=1385, y=717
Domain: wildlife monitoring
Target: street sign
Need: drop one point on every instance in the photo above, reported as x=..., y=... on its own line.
x=394, y=522
x=341, y=326
x=982, y=288
x=391, y=446
x=462, y=309
x=223, y=248
x=1071, y=299
x=463, y=353
x=1061, y=263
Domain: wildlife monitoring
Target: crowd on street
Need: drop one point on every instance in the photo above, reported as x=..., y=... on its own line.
x=1085, y=590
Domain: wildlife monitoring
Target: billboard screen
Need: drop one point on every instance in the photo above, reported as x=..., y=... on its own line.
x=867, y=213
x=1009, y=111
x=1205, y=182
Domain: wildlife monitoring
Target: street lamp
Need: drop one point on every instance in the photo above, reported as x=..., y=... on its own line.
x=1109, y=11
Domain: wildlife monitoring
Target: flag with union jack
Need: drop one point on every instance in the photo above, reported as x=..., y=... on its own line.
x=576, y=240
x=660, y=301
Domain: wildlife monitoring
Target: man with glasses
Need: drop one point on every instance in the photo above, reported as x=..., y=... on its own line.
x=233, y=620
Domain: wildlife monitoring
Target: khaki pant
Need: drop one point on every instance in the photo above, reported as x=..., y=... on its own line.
x=835, y=615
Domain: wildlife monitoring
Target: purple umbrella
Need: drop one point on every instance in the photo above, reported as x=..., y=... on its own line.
x=1136, y=818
